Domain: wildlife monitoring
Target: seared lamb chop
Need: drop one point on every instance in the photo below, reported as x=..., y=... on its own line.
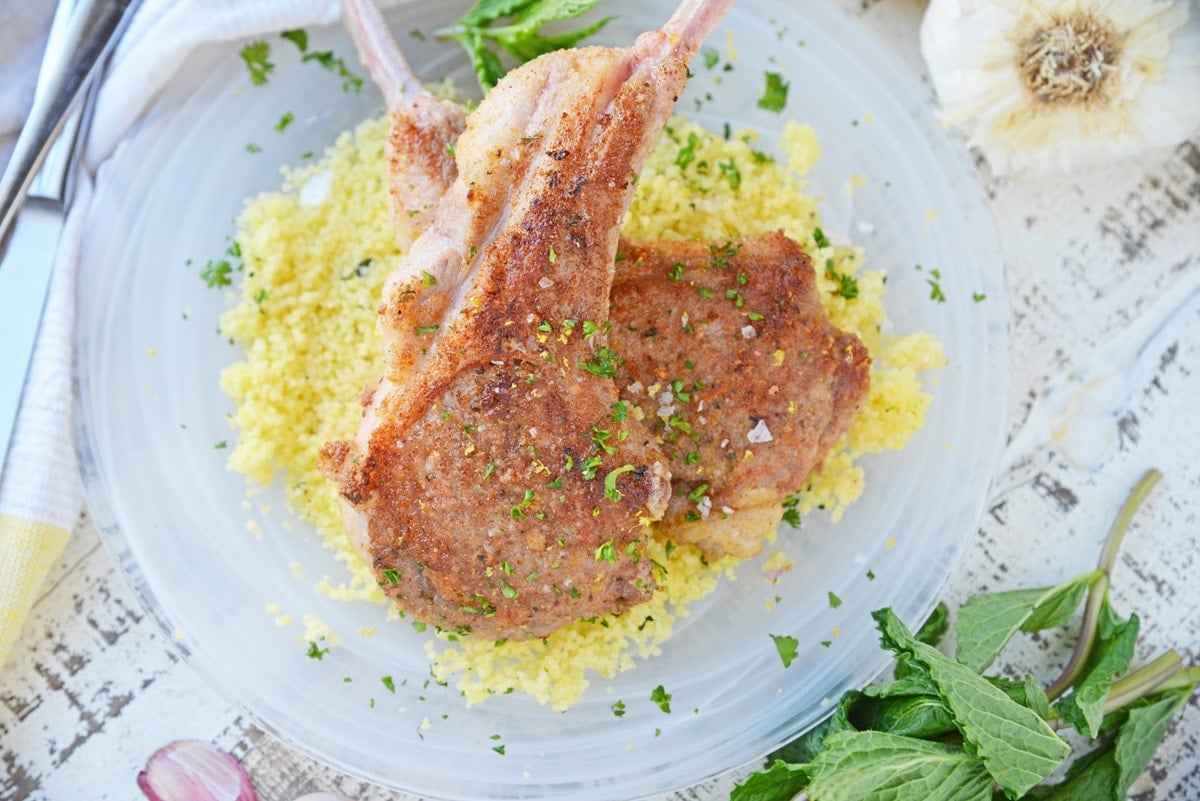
x=738, y=370
x=424, y=128
x=500, y=494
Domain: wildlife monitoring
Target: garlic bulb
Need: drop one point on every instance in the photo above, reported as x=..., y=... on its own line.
x=1043, y=84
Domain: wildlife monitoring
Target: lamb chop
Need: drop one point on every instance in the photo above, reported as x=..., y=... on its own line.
x=424, y=128
x=747, y=383
x=501, y=493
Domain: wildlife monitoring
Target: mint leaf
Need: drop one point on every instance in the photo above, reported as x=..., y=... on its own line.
x=805, y=747
x=1138, y=738
x=935, y=626
x=486, y=11
x=1035, y=697
x=780, y=782
x=877, y=766
x=1107, y=773
x=1110, y=656
x=1017, y=747
x=906, y=715
x=520, y=36
x=987, y=622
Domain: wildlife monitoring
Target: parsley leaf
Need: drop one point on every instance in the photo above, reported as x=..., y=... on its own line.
x=257, y=57
x=660, y=696
x=786, y=646
x=775, y=92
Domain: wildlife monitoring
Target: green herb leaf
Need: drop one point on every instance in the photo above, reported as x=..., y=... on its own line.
x=920, y=715
x=610, y=482
x=521, y=37
x=1107, y=773
x=775, y=92
x=986, y=623
x=1017, y=747
x=1110, y=656
x=876, y=766
x=298, y=37
x=935, y=626
x=257, y=56
x=660, y=696
x=787, y=648
x=780, y=782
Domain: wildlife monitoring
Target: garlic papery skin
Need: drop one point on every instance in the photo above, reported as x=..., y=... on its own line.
x=1040, y=85
x=190, y=770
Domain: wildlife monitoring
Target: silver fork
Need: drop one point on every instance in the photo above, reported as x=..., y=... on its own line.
x=81, y=36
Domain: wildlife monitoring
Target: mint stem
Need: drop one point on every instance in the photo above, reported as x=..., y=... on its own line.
x=1143, y=681
x=1099, y=589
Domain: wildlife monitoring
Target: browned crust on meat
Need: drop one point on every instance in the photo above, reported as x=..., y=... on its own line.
x=517, y=377
x=679, y=310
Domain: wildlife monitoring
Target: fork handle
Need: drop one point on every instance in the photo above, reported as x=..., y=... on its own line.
x=95, y=28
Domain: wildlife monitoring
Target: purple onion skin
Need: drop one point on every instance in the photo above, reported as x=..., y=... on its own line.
x=190, y=770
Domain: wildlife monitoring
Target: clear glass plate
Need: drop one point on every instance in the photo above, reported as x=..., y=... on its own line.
x=174, y=516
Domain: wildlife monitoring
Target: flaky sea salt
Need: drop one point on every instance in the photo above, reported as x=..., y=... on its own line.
x=760, y=433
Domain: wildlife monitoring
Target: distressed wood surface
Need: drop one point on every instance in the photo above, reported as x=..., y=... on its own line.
x=1104, y=279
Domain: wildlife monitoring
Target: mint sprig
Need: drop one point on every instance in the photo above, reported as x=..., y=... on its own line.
x=943, y=731
x=477, y=31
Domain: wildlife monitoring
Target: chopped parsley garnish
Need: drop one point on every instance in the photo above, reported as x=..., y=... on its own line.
x=820, y=238
x=662, y=698
x=298, y=37
x=605, y=364
x=491, y=468
x=786, y=646
x=315, y=651
x=220, y=445
x=620, y=412
x=389, y=683
x=978, y=297
x=253, y=148
x=257, y=57
x=421, y=330
x=935, y=291
x=518, y=512
x=729, y=169
x=719, y=255
x=687, y=153
x=775, y=92
x=606, y=552
x=216, y=274
x=697, y=494
x=692, y=457
x=834, y=601
x=711, y=57
x=610, y=482
x=676, y=271
x=427, y=279
x=508, y=591
x=618, y=709
x=351, y=82
x=499, y=749
x=392, y=575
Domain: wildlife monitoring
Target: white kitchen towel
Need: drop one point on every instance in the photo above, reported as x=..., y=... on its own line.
x=40, y=492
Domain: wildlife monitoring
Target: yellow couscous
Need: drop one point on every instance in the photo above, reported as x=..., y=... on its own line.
x=316, y=255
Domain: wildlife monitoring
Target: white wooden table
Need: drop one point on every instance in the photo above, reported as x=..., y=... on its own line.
x=1104, y=278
